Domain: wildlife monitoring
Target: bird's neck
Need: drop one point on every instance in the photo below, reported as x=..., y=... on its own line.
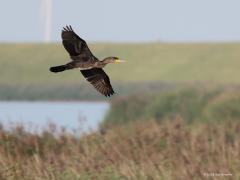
x=101, y=64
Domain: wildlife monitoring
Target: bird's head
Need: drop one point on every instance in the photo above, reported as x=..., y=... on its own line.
x=112, y=60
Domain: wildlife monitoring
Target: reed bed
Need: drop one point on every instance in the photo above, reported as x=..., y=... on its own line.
x=140, y=150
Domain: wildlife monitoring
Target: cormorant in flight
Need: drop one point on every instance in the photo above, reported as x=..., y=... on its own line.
x=83, y=59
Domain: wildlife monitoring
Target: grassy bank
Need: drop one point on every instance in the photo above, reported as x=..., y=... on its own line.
x=192, y=104
x=142, y=150
x=24, y=68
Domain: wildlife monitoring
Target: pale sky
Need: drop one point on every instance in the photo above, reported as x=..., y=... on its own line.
x=124, y=20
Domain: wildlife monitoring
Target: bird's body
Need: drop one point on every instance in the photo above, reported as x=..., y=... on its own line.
x=82, y=65
x=83, y=59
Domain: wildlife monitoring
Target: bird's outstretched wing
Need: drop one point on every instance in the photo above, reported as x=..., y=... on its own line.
x=74, y=45
x=99, y=79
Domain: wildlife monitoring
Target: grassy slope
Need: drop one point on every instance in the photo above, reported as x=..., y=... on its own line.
x=220, y=63
x=24, y=69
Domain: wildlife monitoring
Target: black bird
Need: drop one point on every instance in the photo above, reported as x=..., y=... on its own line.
x=83, y=59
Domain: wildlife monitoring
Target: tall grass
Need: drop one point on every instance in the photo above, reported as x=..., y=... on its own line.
x=141, y=150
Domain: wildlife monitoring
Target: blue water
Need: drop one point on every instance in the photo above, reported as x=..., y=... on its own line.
x=35, y=116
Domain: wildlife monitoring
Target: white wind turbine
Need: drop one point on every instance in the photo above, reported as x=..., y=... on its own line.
x=47, y=16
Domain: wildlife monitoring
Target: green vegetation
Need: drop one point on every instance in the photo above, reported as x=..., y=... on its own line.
x=29, y=63
x=193, y=105
x=143, y=150
x=24, y=69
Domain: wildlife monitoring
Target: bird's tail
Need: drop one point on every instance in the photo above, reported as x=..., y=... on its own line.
x=56, y=69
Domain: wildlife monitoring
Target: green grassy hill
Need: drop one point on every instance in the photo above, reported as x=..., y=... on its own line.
x=24, y=68
x=29, y=63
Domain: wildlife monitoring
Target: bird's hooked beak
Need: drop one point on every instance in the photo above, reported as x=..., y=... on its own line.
x=119, y=61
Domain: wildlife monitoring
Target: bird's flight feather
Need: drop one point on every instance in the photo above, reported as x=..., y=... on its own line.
x=74, y=45
x=99, y=79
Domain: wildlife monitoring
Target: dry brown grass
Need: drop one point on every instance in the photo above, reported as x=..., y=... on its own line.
x=142, y=150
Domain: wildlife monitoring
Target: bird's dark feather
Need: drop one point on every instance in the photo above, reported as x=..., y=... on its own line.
x=99, y=79
x=75, y=45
